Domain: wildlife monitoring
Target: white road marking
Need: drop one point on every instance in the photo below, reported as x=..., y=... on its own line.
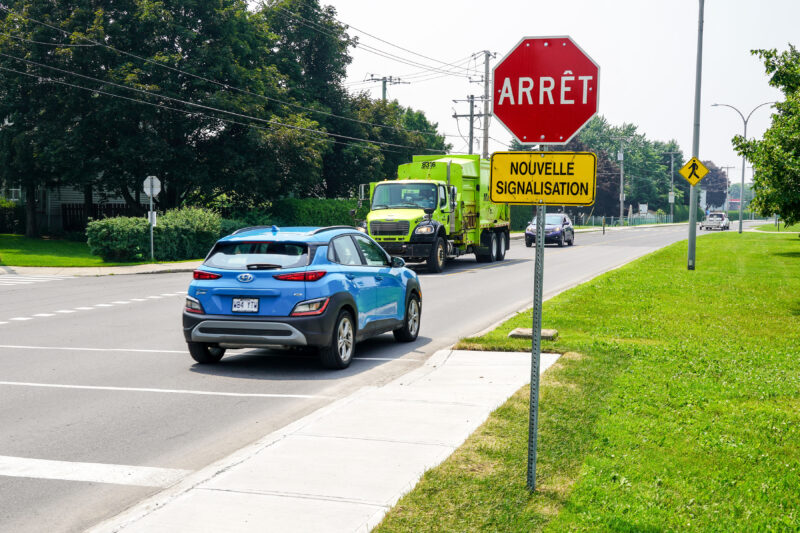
x=168, y=294
x=63, y=311
x=68, y=348
x=154, y=297
x=163, y=391
x=1, y=323
x=385, y=359
x=44, y=314
x=22, y=318
x=84, y=308
x=138, y=300
x=121, y=302
x=103, y=305
x=141, y=476
x=16, y=282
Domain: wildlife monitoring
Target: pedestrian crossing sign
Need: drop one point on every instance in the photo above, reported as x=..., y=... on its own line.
x=693, y=171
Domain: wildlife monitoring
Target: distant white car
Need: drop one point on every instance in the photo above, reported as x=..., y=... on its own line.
x=716, y=221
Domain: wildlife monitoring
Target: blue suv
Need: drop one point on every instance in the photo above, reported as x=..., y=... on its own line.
x=319, y=287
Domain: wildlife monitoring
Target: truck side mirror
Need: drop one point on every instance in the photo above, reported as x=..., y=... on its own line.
x=453, y=193
x=362, y=191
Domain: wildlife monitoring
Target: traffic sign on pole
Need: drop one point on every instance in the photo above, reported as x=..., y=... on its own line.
x=543, y=178
x=693, y=171
x=152, y=186
x=545, y=90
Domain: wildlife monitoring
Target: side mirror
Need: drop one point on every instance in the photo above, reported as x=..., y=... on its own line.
x=398, y=262
x=453, y=193
x=429, y=210
x=362, y=192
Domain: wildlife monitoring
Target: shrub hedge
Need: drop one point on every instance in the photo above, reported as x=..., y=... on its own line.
x=12, y=216
x=189, y=232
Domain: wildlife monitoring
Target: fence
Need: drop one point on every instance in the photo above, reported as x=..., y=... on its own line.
x=73, y=216
x=633, y=220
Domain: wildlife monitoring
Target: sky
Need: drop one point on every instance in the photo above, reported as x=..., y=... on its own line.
x=646, y=50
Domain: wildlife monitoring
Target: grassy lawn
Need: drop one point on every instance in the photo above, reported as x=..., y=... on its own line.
x=782, y=225
x=17, y=250
x=676, y=405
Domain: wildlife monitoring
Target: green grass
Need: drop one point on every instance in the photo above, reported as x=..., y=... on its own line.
x=16, y=250
x=676, y=405
x=782, y=226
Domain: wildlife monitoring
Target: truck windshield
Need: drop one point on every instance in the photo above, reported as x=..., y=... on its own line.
x=404, y=194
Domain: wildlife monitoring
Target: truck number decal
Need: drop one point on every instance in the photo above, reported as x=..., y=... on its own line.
x=428, y=164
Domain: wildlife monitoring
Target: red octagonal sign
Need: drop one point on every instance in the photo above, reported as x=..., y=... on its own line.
x=545, y=90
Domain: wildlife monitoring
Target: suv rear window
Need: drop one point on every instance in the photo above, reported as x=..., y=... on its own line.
x=260, y=255
x=715, y=216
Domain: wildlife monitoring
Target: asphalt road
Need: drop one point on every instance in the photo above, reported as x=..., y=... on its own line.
x=101, y=405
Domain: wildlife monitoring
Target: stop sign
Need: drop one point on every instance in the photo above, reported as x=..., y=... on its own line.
x=545, y=90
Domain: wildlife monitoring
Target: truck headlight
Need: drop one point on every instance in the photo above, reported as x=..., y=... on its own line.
x=424, y=230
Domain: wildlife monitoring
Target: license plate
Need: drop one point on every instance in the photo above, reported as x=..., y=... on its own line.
x=245, y=305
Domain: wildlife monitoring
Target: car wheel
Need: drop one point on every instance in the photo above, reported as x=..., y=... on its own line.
x=561, y=240
x=437, y=257
x=502, y=245
x=204, y=353
x=528, y=242
x=572, y=240
x=339, y=353
x=411, y=322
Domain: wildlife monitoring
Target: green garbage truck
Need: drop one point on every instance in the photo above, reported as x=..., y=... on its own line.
x=438, y=208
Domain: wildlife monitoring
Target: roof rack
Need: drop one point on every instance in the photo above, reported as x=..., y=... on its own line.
x=250, y=228
x=329, y=228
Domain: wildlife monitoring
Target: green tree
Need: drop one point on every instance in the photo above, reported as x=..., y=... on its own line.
x=776, y=158
x=715, y=183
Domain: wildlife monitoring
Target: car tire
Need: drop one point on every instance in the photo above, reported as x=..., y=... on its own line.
x=437, y=257
x=502, y=246
x=411, y=321
x=528, y=242
x=561, y=240
x=205, y=353
x=339, y=353
x=571, y=242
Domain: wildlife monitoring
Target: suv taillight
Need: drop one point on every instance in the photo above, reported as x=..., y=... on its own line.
x=202, y=274
x=312, y=275
x=193, y=305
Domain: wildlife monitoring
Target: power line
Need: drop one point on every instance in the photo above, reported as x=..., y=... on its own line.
x=214, y=82
x=299, y=128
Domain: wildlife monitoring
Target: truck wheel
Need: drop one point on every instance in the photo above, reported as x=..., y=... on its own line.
x=339, y=353
x=437, y=257
x=492, y=257
x=411, y=322
x=204, y=353
x=501, y=246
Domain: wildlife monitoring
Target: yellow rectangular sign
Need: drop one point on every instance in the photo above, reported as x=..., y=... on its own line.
x=543, y=178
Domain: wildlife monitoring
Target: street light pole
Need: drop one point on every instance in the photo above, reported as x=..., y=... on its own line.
x=744, y=159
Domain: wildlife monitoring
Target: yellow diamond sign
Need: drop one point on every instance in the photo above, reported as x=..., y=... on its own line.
x=693, y=171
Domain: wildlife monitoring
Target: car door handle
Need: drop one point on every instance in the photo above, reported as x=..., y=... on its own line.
x=379, y=278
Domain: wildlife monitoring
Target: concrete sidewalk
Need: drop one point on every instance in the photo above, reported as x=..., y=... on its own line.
x=343, y=467
x=186, y=266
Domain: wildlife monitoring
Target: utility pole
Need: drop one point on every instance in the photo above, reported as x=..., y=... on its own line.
x=672, y=185
x=471, y=115
x=621, y=159
x=696, y=139
x=728, y=187
x=384, y=80
x=486, y=95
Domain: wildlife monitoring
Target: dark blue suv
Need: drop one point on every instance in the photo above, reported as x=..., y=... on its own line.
x=320, y=287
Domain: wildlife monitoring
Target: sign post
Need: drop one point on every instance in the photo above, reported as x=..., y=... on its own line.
x=544, y=91
x=151, y=186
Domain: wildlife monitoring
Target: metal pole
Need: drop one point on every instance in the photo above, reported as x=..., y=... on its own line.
x=672, y=186
x=486, y=96
x=471, y=121
x=150, y=216
x=383, y=89
x=621, y=182
x=536, y=346
x=696, y=139
x=741, y=190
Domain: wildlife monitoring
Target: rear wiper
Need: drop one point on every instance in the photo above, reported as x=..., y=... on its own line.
x=262, y=266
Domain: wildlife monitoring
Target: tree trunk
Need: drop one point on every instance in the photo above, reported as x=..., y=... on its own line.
x=31, y=222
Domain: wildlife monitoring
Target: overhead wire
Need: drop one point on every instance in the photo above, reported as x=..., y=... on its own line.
x=186, y=112
x=207, y=80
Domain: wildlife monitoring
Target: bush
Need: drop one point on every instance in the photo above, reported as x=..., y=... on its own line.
x=186, y=233
x=119, y=238
x=12, y=217
x=316, y=212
